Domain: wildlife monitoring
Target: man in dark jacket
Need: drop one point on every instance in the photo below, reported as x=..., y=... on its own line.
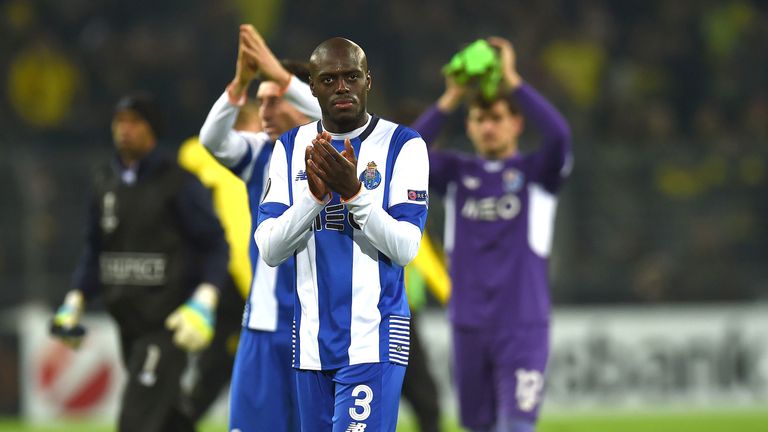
x=156, y=254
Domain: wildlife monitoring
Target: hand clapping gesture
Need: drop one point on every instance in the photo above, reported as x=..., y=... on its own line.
x=328, y=170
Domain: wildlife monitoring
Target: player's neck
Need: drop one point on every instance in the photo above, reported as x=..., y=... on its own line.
x=500, y=154
x=342, y=127
x=130, y=159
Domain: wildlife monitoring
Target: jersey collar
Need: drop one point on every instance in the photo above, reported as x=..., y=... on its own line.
x=362, y=132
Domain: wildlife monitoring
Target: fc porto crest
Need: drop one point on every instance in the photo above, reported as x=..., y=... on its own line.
x=513, y=180
x=371, y=177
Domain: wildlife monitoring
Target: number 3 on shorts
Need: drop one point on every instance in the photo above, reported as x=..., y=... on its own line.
x=364, y=402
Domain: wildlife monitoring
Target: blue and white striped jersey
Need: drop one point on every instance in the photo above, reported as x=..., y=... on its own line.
x=350, y=303
x=270, y=300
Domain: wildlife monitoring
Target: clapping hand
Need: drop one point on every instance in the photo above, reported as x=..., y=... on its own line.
x=337, y=171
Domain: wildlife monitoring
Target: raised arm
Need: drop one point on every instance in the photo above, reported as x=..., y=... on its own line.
x=296, y=92
x=217, y=134
x=231, y=148
x=556, y=146
x=552, y=160
x=225, y=144
x=431, y=122
x=442, y=164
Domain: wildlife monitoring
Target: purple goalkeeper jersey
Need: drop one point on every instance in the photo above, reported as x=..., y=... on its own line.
x=500, y=218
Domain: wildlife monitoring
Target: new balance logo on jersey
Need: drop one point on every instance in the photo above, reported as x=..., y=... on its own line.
x=356, y=427
x=491, y=208
x=301, y=175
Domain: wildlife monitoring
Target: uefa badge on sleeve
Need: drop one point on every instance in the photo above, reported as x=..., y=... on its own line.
x=418, y=196
x=371, y=177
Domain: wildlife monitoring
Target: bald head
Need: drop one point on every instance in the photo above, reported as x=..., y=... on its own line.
x=340, y=81
x=339, y=48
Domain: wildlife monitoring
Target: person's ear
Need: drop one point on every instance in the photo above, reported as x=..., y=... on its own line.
x=519, y=124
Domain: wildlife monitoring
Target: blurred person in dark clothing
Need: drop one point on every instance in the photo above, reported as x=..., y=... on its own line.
x=156, y=254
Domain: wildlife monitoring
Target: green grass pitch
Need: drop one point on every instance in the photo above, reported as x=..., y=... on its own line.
x=698, y=421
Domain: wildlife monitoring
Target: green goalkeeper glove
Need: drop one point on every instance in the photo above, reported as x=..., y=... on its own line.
x=65, y=325
x=193, y=322
x=478, y=61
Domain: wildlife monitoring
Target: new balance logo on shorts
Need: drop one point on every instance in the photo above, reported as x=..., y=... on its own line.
x=301, y=175
x=356, y=427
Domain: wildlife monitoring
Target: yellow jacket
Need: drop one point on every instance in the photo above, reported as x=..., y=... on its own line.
x=430, y=266
x=230, y=199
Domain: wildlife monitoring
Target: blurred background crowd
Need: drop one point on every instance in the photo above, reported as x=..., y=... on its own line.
x=668, y=102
